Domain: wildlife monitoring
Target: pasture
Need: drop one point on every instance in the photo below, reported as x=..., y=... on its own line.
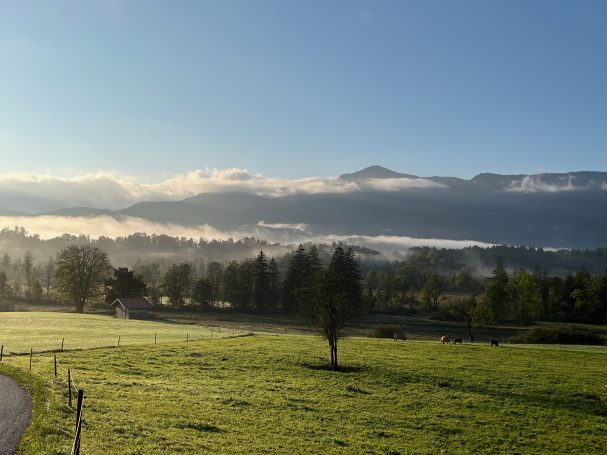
x=272, y=394
x=43, y=331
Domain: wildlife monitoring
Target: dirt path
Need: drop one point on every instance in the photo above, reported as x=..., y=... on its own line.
x=15, y=414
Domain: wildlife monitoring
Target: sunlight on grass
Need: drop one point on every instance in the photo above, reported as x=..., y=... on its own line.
x=273, y=394
x=40, y=331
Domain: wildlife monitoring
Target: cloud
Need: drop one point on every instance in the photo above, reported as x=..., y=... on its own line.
x=397, y=184
x=52, y=226
x=535, y=184
x=298, y=226
x=387, y=243
x=37, y=193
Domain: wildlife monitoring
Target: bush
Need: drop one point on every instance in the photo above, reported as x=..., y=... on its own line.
x=558, y=335
x=386, y=330
x=6, y=306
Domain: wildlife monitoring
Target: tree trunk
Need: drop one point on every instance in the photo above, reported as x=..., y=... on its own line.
x=470, y=335
x=335, y=364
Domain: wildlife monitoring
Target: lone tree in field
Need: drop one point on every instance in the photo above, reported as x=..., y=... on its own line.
x=80, y=273
x=473, y=312
x=336, y=296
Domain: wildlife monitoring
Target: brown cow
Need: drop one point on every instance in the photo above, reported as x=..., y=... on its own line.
x=457, y=340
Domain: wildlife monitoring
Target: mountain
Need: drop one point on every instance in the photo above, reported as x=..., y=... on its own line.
x=375, y=172
x=4, y=212
x=82, y=211
x=565, y=210
x=546, y=210
x=546, y=182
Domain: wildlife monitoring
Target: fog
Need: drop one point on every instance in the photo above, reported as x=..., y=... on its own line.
x=52, y=226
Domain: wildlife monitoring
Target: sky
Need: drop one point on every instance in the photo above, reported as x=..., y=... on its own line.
x=295, y=89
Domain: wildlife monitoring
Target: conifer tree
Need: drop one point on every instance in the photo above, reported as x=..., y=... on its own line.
x=295, y=279
x=273, y=285
x=496, y=291
x=337, y=295
x=261, y=284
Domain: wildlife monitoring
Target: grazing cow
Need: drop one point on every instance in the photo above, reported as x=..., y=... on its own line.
x=494, y=343
x=457, y=340
x=400, y=336
x=445, y=339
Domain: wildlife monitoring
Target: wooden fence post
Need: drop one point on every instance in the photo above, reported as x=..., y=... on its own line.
x=79, y=405
x=155, y=338
x=62, y=340
x=31, y=355
x=1, y=352
x=55, y=357
x=118, y=340
x=69, y=387
x=187, y=336
x=76, y=445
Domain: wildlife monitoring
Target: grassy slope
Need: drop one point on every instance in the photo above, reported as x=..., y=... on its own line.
x=48, y=432
x=42, y=331
x=266, y=394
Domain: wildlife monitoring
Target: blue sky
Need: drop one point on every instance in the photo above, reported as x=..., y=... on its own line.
x=303, y=88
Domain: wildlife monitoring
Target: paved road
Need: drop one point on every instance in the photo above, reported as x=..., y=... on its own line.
x=15, y=414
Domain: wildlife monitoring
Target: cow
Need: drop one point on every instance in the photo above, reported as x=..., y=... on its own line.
x=445, y=339
x=457, y=340
x=495, y=343
x=400, y=336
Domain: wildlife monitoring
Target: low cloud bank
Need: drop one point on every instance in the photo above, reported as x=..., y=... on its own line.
x=37, y=193
x=536, y=184
x=52, y=226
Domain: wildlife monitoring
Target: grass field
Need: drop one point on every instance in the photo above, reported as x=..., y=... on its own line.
x=271, y=394
x=43, y=331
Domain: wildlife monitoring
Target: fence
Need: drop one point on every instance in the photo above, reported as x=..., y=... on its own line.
x=72, y=387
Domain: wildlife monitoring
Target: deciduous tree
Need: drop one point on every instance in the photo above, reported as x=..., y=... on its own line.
x=81, y=272
x=177, y=283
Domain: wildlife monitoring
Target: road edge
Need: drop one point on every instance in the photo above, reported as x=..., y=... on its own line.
x=44, y=433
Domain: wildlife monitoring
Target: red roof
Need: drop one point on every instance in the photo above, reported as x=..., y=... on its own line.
x=133, y=303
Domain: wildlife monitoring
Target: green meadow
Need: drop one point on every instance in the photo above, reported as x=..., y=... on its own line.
x=43, y=331
x=273, y=394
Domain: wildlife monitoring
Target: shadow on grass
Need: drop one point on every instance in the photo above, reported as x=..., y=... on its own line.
x=327, y=367
x=588, y=404
x=198, y=426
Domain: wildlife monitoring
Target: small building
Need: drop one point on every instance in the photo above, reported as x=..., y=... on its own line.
x=132, y=308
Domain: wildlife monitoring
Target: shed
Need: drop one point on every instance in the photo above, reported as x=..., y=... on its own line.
x=132, y=308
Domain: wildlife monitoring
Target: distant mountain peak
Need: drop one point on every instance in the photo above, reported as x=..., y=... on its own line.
x=375, y=172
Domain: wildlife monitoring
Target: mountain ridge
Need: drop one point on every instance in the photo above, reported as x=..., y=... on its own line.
x=561, y=210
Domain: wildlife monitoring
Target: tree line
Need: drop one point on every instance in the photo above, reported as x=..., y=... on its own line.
x=274, y=284
x=519, y=296
x=141, y=248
